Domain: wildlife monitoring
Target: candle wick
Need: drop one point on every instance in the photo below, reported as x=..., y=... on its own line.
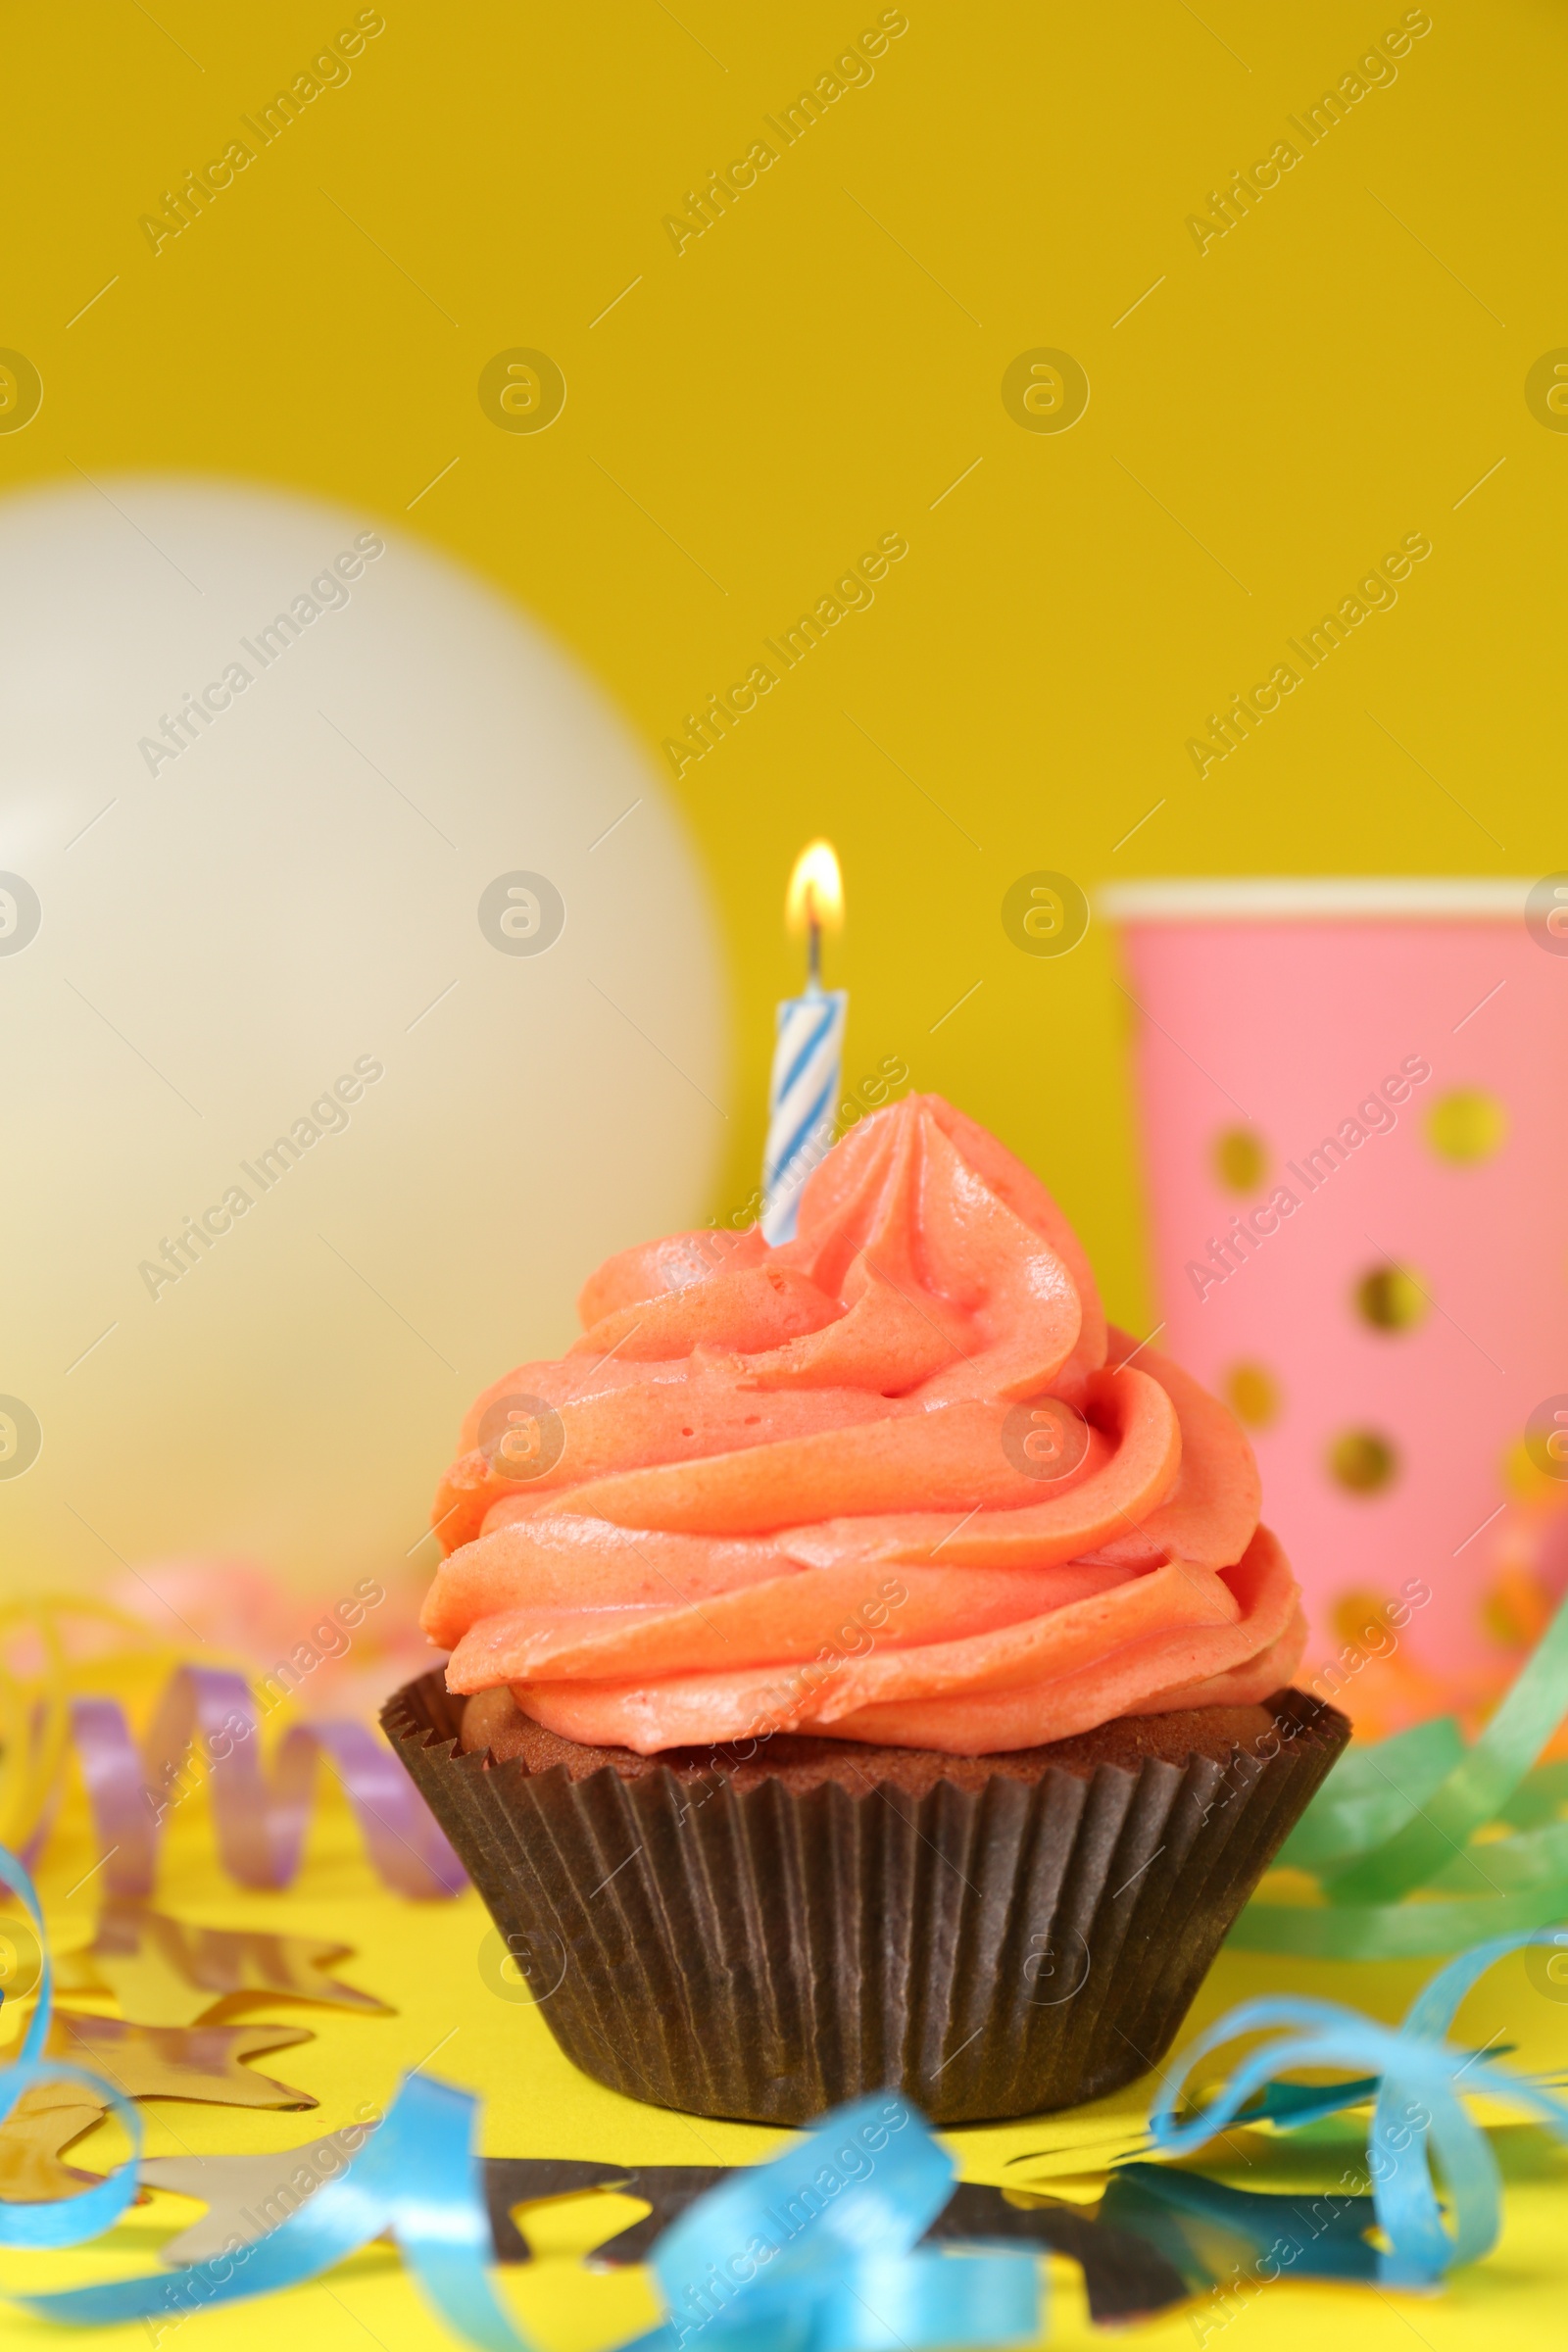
x=813, y=949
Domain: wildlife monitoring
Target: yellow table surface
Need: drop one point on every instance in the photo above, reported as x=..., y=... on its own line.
x=422, y=1958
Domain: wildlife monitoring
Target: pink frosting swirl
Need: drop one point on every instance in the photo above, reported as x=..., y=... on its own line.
x=891, y=1482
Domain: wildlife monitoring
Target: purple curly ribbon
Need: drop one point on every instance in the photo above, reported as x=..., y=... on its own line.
x=260, y=1828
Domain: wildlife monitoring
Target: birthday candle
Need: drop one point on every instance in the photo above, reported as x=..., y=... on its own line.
x=809, y=1049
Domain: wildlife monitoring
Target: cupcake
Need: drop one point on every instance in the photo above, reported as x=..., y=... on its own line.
x=866, y=1668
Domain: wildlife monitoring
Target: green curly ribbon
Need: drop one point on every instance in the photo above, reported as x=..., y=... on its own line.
x=1390, y=1834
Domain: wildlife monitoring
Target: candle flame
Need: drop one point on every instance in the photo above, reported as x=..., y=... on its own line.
x=816, y=893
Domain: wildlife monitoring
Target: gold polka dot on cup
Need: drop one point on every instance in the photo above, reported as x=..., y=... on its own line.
x=1391, y=1299
x=1359, y=1617
x=1361, y=1461
x=1240, y=1159
x=1467, y=1126
x=1517, y=1609
x=1522, y=1479
x=1253, y=1395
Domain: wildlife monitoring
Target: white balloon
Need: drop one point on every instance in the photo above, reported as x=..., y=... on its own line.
x=240, y=905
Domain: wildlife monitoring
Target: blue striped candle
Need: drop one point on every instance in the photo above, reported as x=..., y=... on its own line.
x=802, y=1101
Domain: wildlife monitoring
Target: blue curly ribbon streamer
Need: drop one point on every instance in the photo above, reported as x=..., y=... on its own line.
x=813, y=2252
x=74, y=2218
x=1417, y=2074
x=416, y=2176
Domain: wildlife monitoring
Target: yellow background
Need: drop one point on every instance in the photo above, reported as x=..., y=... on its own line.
x=819, y=368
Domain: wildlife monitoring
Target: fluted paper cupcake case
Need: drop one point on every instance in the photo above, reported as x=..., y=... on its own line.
x=764, y=1955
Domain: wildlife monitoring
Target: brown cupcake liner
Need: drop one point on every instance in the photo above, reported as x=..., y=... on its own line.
x=767, y=1954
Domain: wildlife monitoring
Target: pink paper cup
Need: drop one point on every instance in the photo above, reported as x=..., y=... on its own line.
x=1355, y=1110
